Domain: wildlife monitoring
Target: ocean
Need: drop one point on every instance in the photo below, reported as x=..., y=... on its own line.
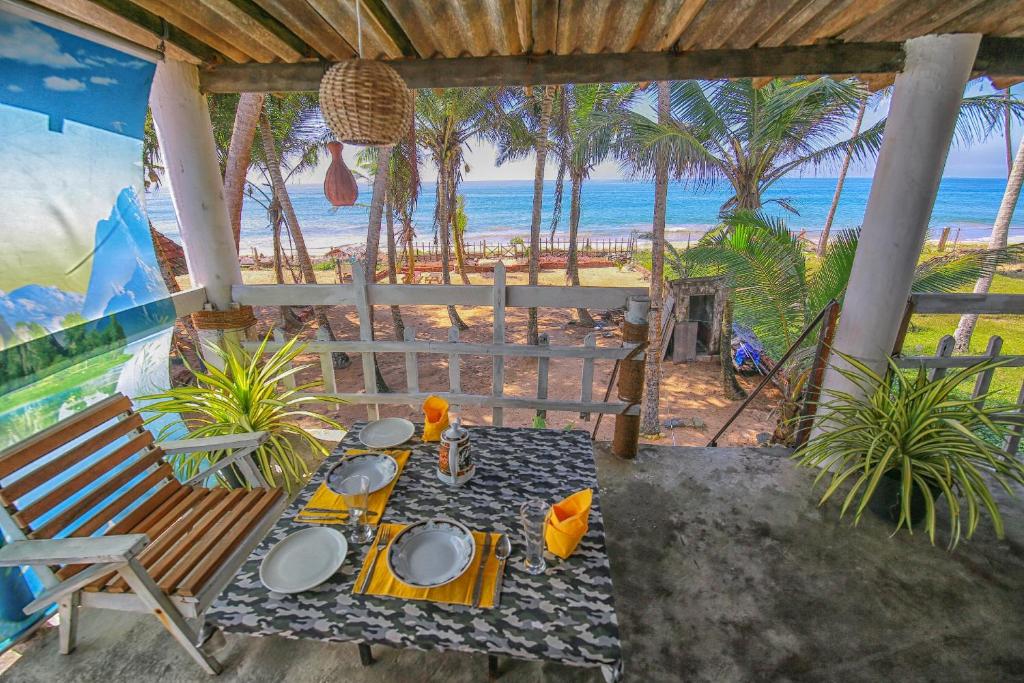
x=500, y=210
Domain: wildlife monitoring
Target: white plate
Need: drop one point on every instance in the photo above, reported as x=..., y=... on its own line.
x=303, y=560
x=380, y=468
x=431, y=553
x=391, y=431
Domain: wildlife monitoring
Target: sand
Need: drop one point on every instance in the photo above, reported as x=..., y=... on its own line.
x=690, y=392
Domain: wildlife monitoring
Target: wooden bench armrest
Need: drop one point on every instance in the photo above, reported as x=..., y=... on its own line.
x=243, y=446
x=88, y=550
x=213, y=443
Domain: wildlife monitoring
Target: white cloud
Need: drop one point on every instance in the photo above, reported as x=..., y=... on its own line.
x=23, y=42
x=15, y=88
x=96, y=60
x=63, y=84
x=103, y=80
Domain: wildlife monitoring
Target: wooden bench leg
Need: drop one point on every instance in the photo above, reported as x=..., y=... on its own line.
x=146, y=589
x=365, y=654
x=67, y=608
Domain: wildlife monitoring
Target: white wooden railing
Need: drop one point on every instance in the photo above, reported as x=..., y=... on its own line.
x=499, y=296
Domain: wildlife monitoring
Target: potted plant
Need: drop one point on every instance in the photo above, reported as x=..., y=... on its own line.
x=246, y=396
x=910, y=442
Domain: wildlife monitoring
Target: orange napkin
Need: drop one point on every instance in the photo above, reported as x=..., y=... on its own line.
x=435, y=418
x=458, y=592
x=325, y=499
x=568, y=523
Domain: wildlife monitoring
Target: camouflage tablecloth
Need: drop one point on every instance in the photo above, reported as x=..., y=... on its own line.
x=565, y=615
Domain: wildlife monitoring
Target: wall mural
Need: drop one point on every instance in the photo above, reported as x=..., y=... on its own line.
x=80, y=286
x=84, y=310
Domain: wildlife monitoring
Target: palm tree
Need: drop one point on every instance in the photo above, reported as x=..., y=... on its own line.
x=239, y=156
x=586, y=141
x=523, y=133
x=448, y=120
x=777, y=295
x=840, y=180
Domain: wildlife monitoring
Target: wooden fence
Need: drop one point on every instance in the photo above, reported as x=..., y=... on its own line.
x=363, y=295
x=622, y=247
x=943, y=359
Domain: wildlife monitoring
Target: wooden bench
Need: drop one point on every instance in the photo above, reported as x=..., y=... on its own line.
x=120, y=531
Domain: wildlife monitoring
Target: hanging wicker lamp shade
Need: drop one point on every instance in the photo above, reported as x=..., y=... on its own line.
x=366, y=102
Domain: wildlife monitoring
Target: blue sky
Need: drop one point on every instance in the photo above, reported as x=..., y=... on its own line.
x=983, y=160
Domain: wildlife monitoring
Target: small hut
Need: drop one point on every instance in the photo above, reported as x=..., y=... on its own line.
x=695, y=305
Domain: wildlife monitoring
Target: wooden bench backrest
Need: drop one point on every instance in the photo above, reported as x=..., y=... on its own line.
x=84, y=502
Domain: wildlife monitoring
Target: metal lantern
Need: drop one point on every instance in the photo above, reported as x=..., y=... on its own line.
x=366, y=102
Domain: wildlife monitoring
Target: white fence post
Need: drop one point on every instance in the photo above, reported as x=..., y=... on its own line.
x=365, y=334
x=327, y=364
x=498, y=361
x=942, y=350
x=288, y=381
x=454, y=377
x=1013, y=438
x=984, y=380
x=412, y=369
x=542, y=374
x=587, y=379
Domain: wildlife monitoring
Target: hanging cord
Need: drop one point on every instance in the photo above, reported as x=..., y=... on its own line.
x=359, y=30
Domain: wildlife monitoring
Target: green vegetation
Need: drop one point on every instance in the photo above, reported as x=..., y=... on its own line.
x=246, y=396
x=922, y=435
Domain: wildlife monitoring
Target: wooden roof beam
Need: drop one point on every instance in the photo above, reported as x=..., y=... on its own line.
x=160, y=28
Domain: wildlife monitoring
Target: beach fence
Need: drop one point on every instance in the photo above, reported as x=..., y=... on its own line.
x=611, y=248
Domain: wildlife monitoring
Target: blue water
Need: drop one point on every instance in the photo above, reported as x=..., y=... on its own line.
x=611, y=208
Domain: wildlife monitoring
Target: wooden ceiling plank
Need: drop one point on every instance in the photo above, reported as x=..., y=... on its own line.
x=544, y=20
x=311, y=27
x=504, y=31
x=987, y=19
x=413, y=26
x=341, y=16
x=155, y=25
x=768, y=13
x=701, y=23
x=524, y=24
x=735, y=14
x=625, y=25
x=202, y=21
x=792, y=22
x=679, y=22
x=250, y=17
x=597, y=22
x=938, y=16
x=888, y=21
x=103, y=19
x=471, y=21
x=565, y=19
x=434, y=15
x=391, y=31
x=840, y=17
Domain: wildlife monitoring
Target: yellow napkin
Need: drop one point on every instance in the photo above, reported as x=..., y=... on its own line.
x=435, y=418
x=324, y=498
x=568, y=523
x=458, y=592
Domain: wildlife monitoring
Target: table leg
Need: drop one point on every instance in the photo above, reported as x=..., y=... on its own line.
x=492, y=668
x=365, y=654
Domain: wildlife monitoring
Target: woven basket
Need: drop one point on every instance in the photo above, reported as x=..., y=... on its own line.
x=366, y=102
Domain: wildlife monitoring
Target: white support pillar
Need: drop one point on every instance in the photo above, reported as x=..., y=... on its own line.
x=185, y=134
x=918, y=131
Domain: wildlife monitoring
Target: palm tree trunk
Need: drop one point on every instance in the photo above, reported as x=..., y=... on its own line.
x=396, y=313
x=289, y=321
x=649, y=421
x=380, y=190
x=458, y=241
x=410, y=248
x=572, y=271
x=247, y=117
x=998, y=240
x=444, y=208
x=823, y=238
x=341, y=360
x=732, y=389
x=541, y=146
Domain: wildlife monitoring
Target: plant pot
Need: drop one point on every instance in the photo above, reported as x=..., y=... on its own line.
x=888, y=499
x=14, y=594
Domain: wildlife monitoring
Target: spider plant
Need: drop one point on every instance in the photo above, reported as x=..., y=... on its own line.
x=917, y=431
x=247, y=395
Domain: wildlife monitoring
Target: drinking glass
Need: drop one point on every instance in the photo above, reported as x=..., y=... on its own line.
x=355, y=491
x=534, y=515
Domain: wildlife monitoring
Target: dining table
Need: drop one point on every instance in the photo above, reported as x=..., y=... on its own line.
x=566, y=614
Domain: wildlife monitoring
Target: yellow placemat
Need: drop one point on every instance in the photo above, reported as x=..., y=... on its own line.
x=458, y=592
x=326, y=499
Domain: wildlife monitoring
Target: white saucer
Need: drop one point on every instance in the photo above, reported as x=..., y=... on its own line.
x=303, y=560
x=385, y=433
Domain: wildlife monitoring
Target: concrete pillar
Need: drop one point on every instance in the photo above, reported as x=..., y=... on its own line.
x=190, y=160
x=922, y=114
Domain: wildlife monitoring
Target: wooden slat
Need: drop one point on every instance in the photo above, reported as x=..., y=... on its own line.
x=746, y=34
x=943, y=349
x=498, y=296
x=365, y=334
x=65, y=431
x=412, y=369
x=478, y=400
x=44, y=473
x=289, y=380
x=1013, y=438
x=968, y=303
x=454, y=373
x=100, y=493
x=947, y=362
x=262, y=501
x=164, y=498
x=199, y=526
x=792, y=22
x=327, y=363
x=587, y=378
x=377, y=43
x=194, y=27
x=121, y=503
x=165, y=547
x=544, y=26
x=983, y=382
x=542, y=374
x=69, y=488
x=203, y=541
x=164, y=30
x=308, y=25
x=462, y=348
x=676, y=20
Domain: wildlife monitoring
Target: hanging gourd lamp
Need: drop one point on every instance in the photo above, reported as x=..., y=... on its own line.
x=339, y=186
x=364, y=101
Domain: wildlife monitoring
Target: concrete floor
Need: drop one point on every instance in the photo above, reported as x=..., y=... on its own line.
x=724, y=570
